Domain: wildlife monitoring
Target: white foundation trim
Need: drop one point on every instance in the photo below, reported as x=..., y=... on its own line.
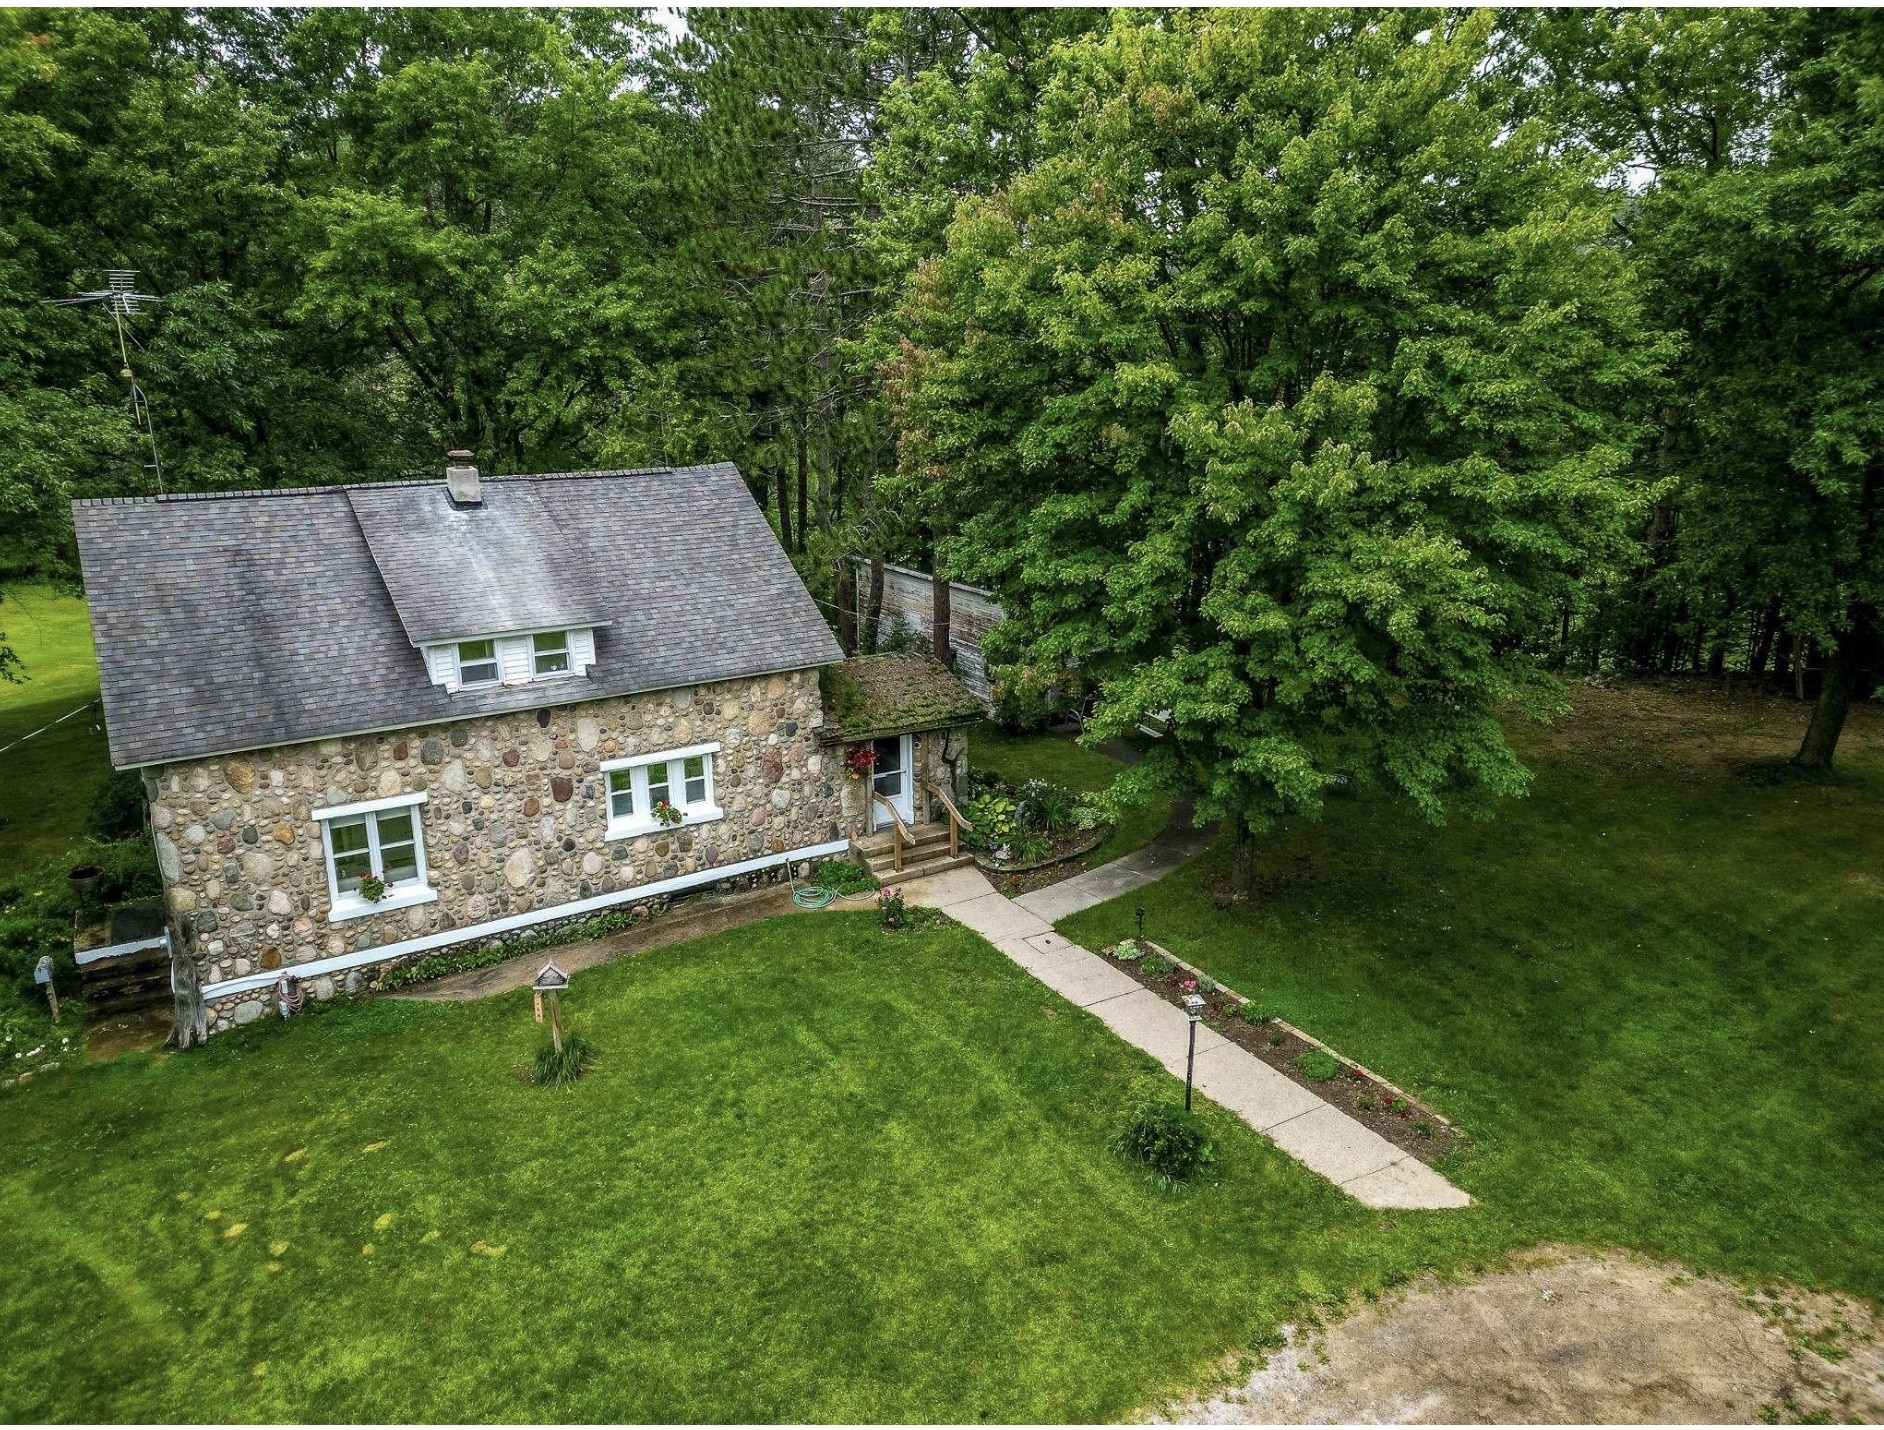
x=255, y=982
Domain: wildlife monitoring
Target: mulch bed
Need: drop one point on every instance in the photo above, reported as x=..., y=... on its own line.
x=1373, y=1103
x=1071, y=854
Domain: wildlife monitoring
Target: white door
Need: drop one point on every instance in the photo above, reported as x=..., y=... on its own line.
x=891, y=779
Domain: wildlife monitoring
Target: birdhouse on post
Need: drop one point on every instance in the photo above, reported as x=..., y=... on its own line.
x=551, y=980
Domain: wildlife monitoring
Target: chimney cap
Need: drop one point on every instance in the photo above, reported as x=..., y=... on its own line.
x=461, y=480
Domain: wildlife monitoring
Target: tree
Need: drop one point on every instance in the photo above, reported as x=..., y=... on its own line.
x=1292, y=388
x=1774, y=268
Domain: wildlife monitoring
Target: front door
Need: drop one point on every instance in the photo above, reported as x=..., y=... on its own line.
x=891, y=779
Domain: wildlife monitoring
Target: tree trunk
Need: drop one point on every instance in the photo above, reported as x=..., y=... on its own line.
x=784, y=506
x=939, y=614
x=1843, y=672
x=1243, y=870
x=1763, y=642
x=873, y=606
x=803, y=484
x=847, y=605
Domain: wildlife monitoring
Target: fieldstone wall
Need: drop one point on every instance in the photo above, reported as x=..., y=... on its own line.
x=515, y=820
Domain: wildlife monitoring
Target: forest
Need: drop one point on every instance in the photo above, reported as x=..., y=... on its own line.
x=1335, y=382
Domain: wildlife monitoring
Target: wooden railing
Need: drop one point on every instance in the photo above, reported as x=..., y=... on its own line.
x=898, y=832
x=958, y=825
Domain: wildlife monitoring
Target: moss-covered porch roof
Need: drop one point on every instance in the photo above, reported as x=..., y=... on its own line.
x=895, y=693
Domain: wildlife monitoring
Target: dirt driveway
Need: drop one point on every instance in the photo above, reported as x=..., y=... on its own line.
x=1565, y=1337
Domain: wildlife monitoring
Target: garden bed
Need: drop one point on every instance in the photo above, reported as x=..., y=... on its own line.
x=1369, y=1100
x=1017, y=878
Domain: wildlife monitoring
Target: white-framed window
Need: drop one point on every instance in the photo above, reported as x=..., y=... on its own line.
x=477, y=662
x=639, y=784
x=549, y=653
x=379, y=841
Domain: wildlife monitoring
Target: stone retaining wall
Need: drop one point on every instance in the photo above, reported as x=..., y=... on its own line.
x=515, y=820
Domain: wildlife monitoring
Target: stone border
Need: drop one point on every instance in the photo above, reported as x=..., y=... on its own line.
x=1310, y=1039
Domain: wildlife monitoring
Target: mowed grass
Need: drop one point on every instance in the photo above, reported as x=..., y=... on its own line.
x=1018, y=758
x=1650, y=992
x=46, y=783
x=820, y=1174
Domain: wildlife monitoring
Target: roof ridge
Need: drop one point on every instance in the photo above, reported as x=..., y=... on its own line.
x=257, y=492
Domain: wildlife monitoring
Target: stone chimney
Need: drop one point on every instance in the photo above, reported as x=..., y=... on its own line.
x=461, y=479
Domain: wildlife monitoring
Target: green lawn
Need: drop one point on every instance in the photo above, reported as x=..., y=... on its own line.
x=1018, y=758
x=1650, y=992
x=821, y=1173
x=50, y=779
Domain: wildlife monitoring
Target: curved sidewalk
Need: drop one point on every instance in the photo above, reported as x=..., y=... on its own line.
x=1321, y=1137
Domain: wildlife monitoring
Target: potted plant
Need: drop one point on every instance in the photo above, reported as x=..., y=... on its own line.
x=85, y=881
x=373, y=888
x=859, y=761
x=666, y=815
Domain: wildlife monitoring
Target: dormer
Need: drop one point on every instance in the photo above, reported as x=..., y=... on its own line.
x=516, y=658
x=491, y=588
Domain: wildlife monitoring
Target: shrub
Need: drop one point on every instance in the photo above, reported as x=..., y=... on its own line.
x=1127, y=950
x=1318, y=1066
x=1277, y=1038
x=1156, y=963
x=994, y=817
x=1087, y=818
x=1207, y=985
x=842, y=876
x=116, y=810
x=554, y=1069
x=892, y=912
x=1254, y=1013
x=1171, y=1143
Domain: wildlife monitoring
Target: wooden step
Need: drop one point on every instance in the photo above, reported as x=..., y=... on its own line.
x=923, y=836
x=919, y=867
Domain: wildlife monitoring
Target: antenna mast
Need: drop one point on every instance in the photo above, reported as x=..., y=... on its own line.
x=121, y=298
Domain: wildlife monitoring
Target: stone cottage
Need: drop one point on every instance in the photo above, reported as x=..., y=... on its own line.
x=377, y=721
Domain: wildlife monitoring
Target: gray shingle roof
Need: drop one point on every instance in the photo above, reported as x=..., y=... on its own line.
x=508, y=565
x=240, y=621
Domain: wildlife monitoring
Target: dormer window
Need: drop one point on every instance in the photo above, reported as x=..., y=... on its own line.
x=549, y=652
x=477, y=663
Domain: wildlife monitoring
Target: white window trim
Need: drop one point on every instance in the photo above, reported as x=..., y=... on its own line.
x=370, y=806
x=457, y=661
x=341, y=907
x=635, y=827
x=568, y=654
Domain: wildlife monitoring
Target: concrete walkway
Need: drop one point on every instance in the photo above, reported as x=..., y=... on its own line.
x=1322, y=1138
x=1177, y=845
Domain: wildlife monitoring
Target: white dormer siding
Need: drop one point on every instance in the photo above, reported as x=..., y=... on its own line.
x=515, y=659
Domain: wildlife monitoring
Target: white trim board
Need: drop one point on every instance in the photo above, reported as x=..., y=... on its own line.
x=340, y=963
x=121, y=950
x=370, y=806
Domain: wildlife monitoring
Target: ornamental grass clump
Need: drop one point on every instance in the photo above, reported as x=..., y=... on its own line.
x=556, y=1067
x=1172, y=1144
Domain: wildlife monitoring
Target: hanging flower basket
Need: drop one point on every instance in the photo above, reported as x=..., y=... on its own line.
x=859, y=761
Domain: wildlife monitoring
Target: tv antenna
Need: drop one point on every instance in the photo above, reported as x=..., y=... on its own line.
x=121, y=298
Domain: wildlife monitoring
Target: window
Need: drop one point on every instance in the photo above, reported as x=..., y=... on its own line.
x=638, y=785
x=477, y=662
x=549, y=652
x=379, y=839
